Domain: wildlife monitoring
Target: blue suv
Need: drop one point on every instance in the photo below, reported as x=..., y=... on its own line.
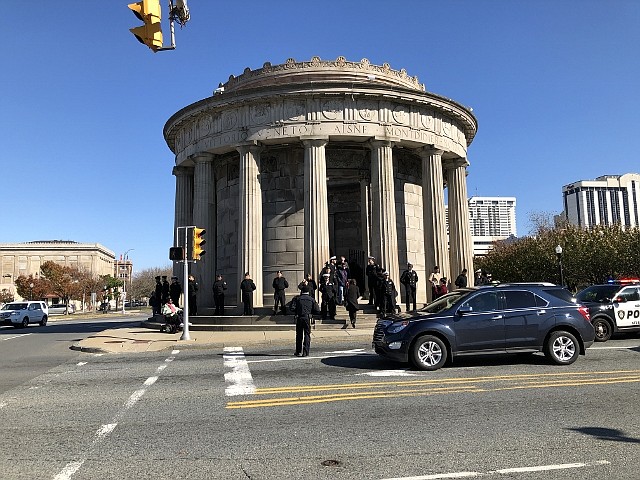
x=505, y=318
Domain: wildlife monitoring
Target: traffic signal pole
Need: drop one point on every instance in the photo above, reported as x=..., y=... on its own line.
x=188, y=252
x=185, y=282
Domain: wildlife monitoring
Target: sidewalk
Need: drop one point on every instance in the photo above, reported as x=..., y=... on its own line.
x=139, y=340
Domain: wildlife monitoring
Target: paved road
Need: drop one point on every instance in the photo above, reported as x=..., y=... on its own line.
x=342, y=413
x=27, y=353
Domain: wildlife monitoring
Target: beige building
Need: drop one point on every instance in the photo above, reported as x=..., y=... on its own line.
x=289, y=164
x=26, y=258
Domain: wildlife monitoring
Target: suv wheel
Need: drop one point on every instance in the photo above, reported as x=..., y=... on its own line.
x=562, y=348
x=23, y=324
x=43, y=322
x=603, y=329
x=428, y=353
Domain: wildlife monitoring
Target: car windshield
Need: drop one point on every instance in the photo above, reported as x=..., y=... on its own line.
x=15, y=306
x=598, y=293
x=444, y=302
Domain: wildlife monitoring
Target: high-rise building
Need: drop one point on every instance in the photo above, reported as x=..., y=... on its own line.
x=607, y=200
x=491, y=219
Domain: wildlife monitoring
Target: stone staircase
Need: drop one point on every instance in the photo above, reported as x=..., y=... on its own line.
x=264, y=319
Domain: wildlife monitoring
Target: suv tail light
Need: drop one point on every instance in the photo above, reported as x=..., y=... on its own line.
x=584, y=311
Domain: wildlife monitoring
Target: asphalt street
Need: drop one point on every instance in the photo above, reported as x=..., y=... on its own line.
x=257, y=412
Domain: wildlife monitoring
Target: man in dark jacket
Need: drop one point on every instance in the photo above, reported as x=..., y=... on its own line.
x=311, y=283
x=247, y=286
x=303, y=306
x=389, y=296
x=372, y=280
x=342, y=277
x=166, y=290
x=328, y=293
x=193, y=296
x=279, y=285
x=175, y=290
x=351, y=302
x=409, y=279
x=157, y=307
x=461, y=280
x=219, y=286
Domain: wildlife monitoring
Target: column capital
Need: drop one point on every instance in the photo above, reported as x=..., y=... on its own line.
x=429, y=150
x=377, y=143
x=314, y=140
x=254, y=147
x=456, y=163
x=180, y=171
x=202, y=157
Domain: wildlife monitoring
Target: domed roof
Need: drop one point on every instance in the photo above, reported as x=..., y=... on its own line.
x=322, y=71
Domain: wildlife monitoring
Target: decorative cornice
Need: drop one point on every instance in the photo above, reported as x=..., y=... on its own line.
x=318, y=70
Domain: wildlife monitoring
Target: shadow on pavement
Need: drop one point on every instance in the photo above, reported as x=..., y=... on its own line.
x=86, y=326
x=609, y=434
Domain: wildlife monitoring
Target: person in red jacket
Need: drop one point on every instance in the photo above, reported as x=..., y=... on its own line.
x=441, y=289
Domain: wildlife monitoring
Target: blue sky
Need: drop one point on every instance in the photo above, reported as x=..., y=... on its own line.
x=553, y=84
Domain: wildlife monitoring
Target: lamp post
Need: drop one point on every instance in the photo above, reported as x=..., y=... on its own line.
x=559, y=256
x=31, y=291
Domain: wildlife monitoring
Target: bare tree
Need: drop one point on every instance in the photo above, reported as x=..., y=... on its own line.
x=143, y=282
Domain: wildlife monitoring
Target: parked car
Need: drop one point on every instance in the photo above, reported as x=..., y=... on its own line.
x=505, y=318
x=21, y=314
x=614, y=307
x=60, y=309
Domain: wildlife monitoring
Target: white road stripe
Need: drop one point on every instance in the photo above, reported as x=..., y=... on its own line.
x=3, y=404
x=505, y=471
x=240, y=376
x=614, y=348
x=299, y=359
x=72, y=467
x=15, y=336
x=80, y=364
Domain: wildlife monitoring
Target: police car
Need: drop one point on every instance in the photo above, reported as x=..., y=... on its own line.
x=614, y=307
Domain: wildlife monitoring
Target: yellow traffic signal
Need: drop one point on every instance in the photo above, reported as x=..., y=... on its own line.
x=198, y=241
x=150, y=12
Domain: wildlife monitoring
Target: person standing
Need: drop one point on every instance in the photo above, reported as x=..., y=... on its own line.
x=434, y=280
x=165, y=290
x=219, y=286
x=389, y=295
x=442, y=287
x=332, y=268
x=193, y=296
x=310, y=283
x=372, y=279
x=247, y=286
x=351, y=302
x=477, y=278
x=409, y=279
x=303, y=306
x=175, y=290
x=461, y=280
x=342, y=277
x=279, y=284
x=328, y=293
x=158, y=294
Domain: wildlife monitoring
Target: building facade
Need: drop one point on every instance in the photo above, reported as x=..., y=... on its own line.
x=607, y=200
x=289, y=164
x=26, y=259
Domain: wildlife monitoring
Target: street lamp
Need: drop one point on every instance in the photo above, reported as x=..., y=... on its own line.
x=31, y=291
x=559, y=256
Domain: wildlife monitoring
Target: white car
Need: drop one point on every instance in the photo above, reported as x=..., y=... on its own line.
x=60, y=309
x=20, y=314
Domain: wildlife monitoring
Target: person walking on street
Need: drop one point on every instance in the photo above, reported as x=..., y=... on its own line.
x=461, y=280
x=304, y=306
x=352, y=302
x=328, y=293
x=434, y=280
x=193, y=296
x=409, y=279
x=219, y=286
x=279, y=284
x=247, y=286
x=175, y=290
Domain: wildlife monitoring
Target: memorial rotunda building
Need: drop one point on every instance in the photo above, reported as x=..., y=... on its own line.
x=289, y=164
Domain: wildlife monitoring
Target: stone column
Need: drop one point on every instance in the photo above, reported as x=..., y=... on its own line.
x=436, y=250
x=316, y=209
x=384, y=233
x=460, y=244
x=364, y=225
x=203, y=212
x=183, y=210
x=250, y=219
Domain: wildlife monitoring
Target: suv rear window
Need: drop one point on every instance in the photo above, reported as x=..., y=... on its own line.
x=561, y=293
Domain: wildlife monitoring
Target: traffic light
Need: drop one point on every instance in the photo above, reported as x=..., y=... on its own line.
x=198, y=241
x=150, y=12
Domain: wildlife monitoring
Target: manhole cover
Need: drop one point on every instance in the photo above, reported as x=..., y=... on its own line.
x=332, y=463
